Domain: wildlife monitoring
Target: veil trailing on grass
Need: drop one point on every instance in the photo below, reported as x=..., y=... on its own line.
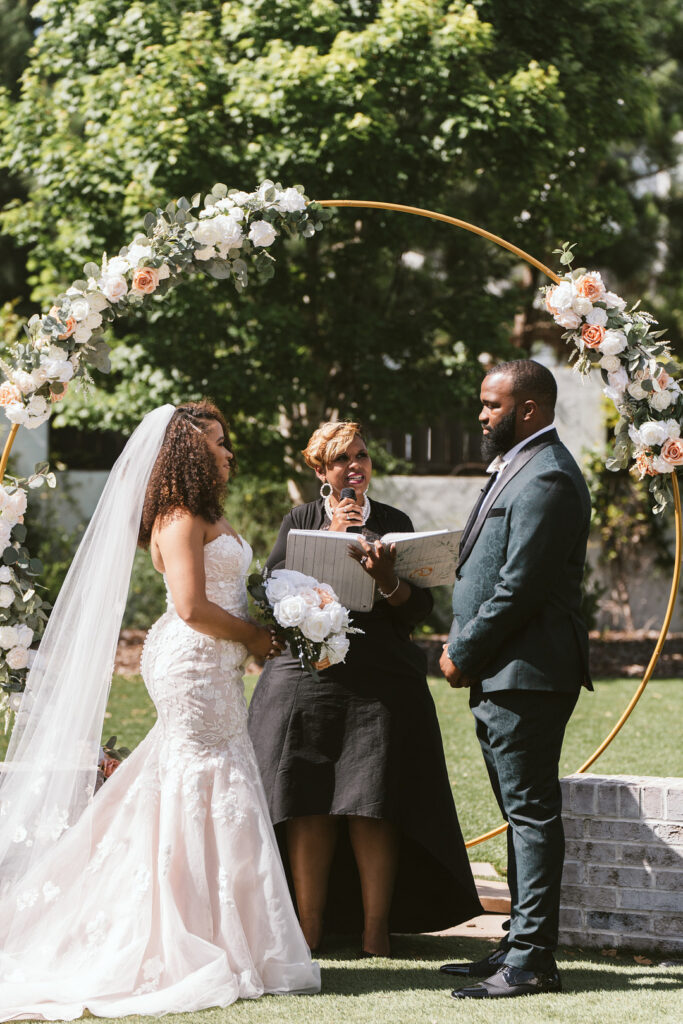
x=48, y=777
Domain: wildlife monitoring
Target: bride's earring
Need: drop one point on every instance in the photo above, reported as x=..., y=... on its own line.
x=323, y=492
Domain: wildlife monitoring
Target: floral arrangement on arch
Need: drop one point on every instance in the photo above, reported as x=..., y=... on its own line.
x=227, y=235
x=638, y=372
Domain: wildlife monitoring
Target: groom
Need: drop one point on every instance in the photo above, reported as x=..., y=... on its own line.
x=519, y=643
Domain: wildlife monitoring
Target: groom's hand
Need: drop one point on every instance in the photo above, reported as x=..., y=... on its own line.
x=451, y=671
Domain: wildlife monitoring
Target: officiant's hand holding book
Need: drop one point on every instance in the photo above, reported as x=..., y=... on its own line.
x=425, y=559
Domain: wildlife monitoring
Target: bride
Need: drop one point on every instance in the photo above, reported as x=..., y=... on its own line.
x=165, y=891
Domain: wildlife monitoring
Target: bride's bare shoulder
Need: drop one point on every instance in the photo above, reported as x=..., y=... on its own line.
x=178, y=528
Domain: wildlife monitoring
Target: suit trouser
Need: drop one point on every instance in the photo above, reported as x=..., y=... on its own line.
x=521, y=733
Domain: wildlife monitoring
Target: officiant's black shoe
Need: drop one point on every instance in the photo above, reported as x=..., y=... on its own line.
x=509, y=982
x=479, y=968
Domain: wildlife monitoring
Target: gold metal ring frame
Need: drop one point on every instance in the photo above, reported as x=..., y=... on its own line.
x=432, y=215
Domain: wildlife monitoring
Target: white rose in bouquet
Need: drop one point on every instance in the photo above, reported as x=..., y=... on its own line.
x=652, y=432
x=610, y=363
x=613, y=343
x=568, y=319
x=336, y=648
x=597, y=317
x=17, y=658
x=5, y=574
x=277, y=587
x=114, y=287
x=6, y=596
x=339, y=617
x=291, y=610
x=8, y=637
x=316, y=625
x=116, y=267
x=661, y=400
x=582, y=305
x=291, y=201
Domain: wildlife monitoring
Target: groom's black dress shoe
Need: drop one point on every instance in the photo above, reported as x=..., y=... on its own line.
x=479, y=968
x=511, y=981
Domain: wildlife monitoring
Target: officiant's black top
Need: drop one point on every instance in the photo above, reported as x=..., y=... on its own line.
x=364, y=740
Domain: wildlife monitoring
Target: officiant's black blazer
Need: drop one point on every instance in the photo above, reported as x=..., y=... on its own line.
x=517, y=596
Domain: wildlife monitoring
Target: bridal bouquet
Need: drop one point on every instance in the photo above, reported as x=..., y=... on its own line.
x=306, y=615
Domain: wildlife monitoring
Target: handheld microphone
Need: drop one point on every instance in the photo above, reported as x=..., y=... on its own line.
x=348, y=492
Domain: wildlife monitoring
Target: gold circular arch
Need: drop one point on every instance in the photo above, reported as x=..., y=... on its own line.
x=432, y=215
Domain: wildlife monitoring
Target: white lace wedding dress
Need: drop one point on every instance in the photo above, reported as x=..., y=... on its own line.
x=184, y=903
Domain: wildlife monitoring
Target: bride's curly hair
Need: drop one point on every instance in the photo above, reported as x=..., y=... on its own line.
x=185, y=475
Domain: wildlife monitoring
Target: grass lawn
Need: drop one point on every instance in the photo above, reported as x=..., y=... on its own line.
x=407, y=989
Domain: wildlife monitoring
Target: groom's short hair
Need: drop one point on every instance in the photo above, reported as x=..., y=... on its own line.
x=529, y=380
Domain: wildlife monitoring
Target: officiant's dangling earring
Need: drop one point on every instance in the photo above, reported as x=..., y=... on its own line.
x=323, y=492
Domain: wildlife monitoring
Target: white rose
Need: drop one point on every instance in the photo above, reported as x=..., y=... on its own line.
x=205, y=254
x=229, y=234
x=610, y=363
x=81, y=334
x=636, y=390
x=17, y=502
x=673, y=430
x=316, y=624
x=116, y=267
x=311, y=597
x=93, y=321
x=339, y=618
x=8, y=637
x=291, y=610
x=164, y=271
x=204, y=233
x=137, y=252
x=618, y=379
x=5, y=533
x=4, y=501
x=661, y=400
x=24, y=635
x=97, y=302
x=58, y=369
x=652, y=432
x=240, y=198
x=277, y=589
x=39, y=376
x=17, y=657
x=24, y=381
x=597, y=317
x=660, y=465
x=6, y=596
x=261, y=233
x=563, y=296
x=568, y=319
x=582, y=305
x=613, y=343
x=336, y=648
x=613, y=301
x=290, y=201
x=114, y=287
x=16, y=412
x=80, y=308
x=5, y=574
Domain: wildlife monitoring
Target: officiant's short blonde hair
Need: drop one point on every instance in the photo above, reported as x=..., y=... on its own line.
x=328, y=442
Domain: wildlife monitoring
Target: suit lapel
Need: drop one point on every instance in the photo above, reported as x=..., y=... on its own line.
x=520, y=460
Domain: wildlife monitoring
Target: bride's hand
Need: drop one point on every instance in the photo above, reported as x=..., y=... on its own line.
x=346, y=513
x=265, y=643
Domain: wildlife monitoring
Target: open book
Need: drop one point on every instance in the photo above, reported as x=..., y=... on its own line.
x=425, y=559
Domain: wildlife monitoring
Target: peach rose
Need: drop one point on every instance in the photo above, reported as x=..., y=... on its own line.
x=644, y=465
x=9, y=393
x=145, y=280
x=548, y=304
x=672, y=451
x=592, y=335
x=591, y=286
x=109, y=766
x=664, y=379
x=324, y=597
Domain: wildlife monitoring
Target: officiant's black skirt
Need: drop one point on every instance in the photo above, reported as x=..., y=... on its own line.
x=364, y=740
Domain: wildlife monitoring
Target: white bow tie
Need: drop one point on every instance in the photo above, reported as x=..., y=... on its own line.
x=497, y=465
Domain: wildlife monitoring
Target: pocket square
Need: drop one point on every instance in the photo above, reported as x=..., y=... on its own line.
x=495, y=512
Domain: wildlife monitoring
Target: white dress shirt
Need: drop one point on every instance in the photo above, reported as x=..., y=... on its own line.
x=501, y=461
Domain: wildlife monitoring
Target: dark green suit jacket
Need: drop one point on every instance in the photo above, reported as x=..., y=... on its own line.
x=517, y=595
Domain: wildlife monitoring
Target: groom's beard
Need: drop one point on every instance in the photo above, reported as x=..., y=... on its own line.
x=501, y=438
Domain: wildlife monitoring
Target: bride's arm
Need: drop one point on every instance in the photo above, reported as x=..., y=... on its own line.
x=181, y=546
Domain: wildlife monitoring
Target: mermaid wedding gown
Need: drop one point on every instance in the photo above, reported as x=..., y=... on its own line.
x=184, y=902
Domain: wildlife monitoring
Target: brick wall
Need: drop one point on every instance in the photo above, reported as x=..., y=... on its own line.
x=623, y=876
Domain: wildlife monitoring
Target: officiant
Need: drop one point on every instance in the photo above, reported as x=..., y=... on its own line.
x=353, y=763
